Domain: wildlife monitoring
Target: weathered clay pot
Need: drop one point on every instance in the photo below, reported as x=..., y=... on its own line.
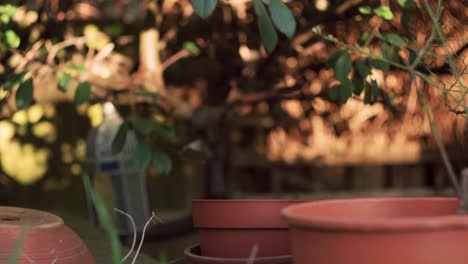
x=193, y=256
x=231, y=228
x=380, y=230
x=42, y=237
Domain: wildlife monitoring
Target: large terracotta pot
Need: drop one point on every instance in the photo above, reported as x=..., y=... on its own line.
x=42, y=237
x=193, y=256
x=231, y=228
x=381, y=230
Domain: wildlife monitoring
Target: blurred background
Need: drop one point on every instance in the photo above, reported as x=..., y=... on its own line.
x=263, y=125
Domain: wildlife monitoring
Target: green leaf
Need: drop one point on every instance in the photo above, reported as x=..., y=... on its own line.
x=267, y=2
x=165, y=133
x=143, y=126
x=362, y=68
x=12, y=39
x=364, y=37
x=191, y=47
x=405, y=3
x=367, y=94
x=358, y=83
x=142, y=156
x=334, y=92
x=384, y=12
x=77, y=67
x=148, y=94
x=162, y=162
x=15, y=79
x=365, y=10
x=379, y=64
x=24, y=95
x=83, y=93
x=342, y=66
x=394, y=39
x=375, y=90
x=204, y=8
x=346, y=90
x=120, y=138
x=405, y=19
x=267, y=31
x=64, y=82
x=282, y=18
x=199, y=147
x=388, y=51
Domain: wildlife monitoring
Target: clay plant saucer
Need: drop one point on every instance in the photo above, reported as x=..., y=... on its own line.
x=41, y=237
x=193, y=256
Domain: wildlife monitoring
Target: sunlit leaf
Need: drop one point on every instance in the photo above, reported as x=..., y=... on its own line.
x=365, y=10
x=83, y=93
x=64, y=82
x=12, y=39
x=342, y=66
x=120, y=138
x=191, y=47
x=77, y=67
x=204, y=8
x=384, y=12
x=282, y=18
x=267, y=31
x=24, y=95
x=405, y=3
x=162, y=162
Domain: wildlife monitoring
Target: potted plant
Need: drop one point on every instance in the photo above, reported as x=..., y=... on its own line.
x=387, y=230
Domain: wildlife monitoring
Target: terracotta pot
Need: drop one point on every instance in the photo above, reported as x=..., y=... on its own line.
x=380, y=230
x=231, y=228
x=43, y=238
x=193, y=256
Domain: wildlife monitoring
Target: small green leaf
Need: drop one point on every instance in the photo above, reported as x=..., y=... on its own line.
x=143, y=126
x=334, y=92
x=165, y=133
x=12, y=39
x=77, y=67
x=267, y=2
x=379, y=64
x=142, y=156
x=83, y=93
x=405, y=19
x=365, y=10
x=362, y=68
x=384, y=12
x=148, y=94
x=375, y=90
x=162, y=162
x=282, y=18
x=120, y=138
x=204, y=8
x=346, y=90
x=364, y=37
x=64, y=82
x=367, y=94
x=199, y=147
x=342, y=66
x=13, y=81
x=405, y=3
x=24, y=95
x=394, y=39
x=267, y=31
x=358, y=83
x=388, y=51
x=191, y=47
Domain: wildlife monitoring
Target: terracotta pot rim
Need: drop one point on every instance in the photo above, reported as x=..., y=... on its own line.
x=246, y=200
x=188, y=253
x=372, y=224
x=240, y=214
x=29, y=220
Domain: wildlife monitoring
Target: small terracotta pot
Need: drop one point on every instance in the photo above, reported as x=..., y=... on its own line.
x=380, y=230
x=42, y=237
x=231, y=228
x=193, y=256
